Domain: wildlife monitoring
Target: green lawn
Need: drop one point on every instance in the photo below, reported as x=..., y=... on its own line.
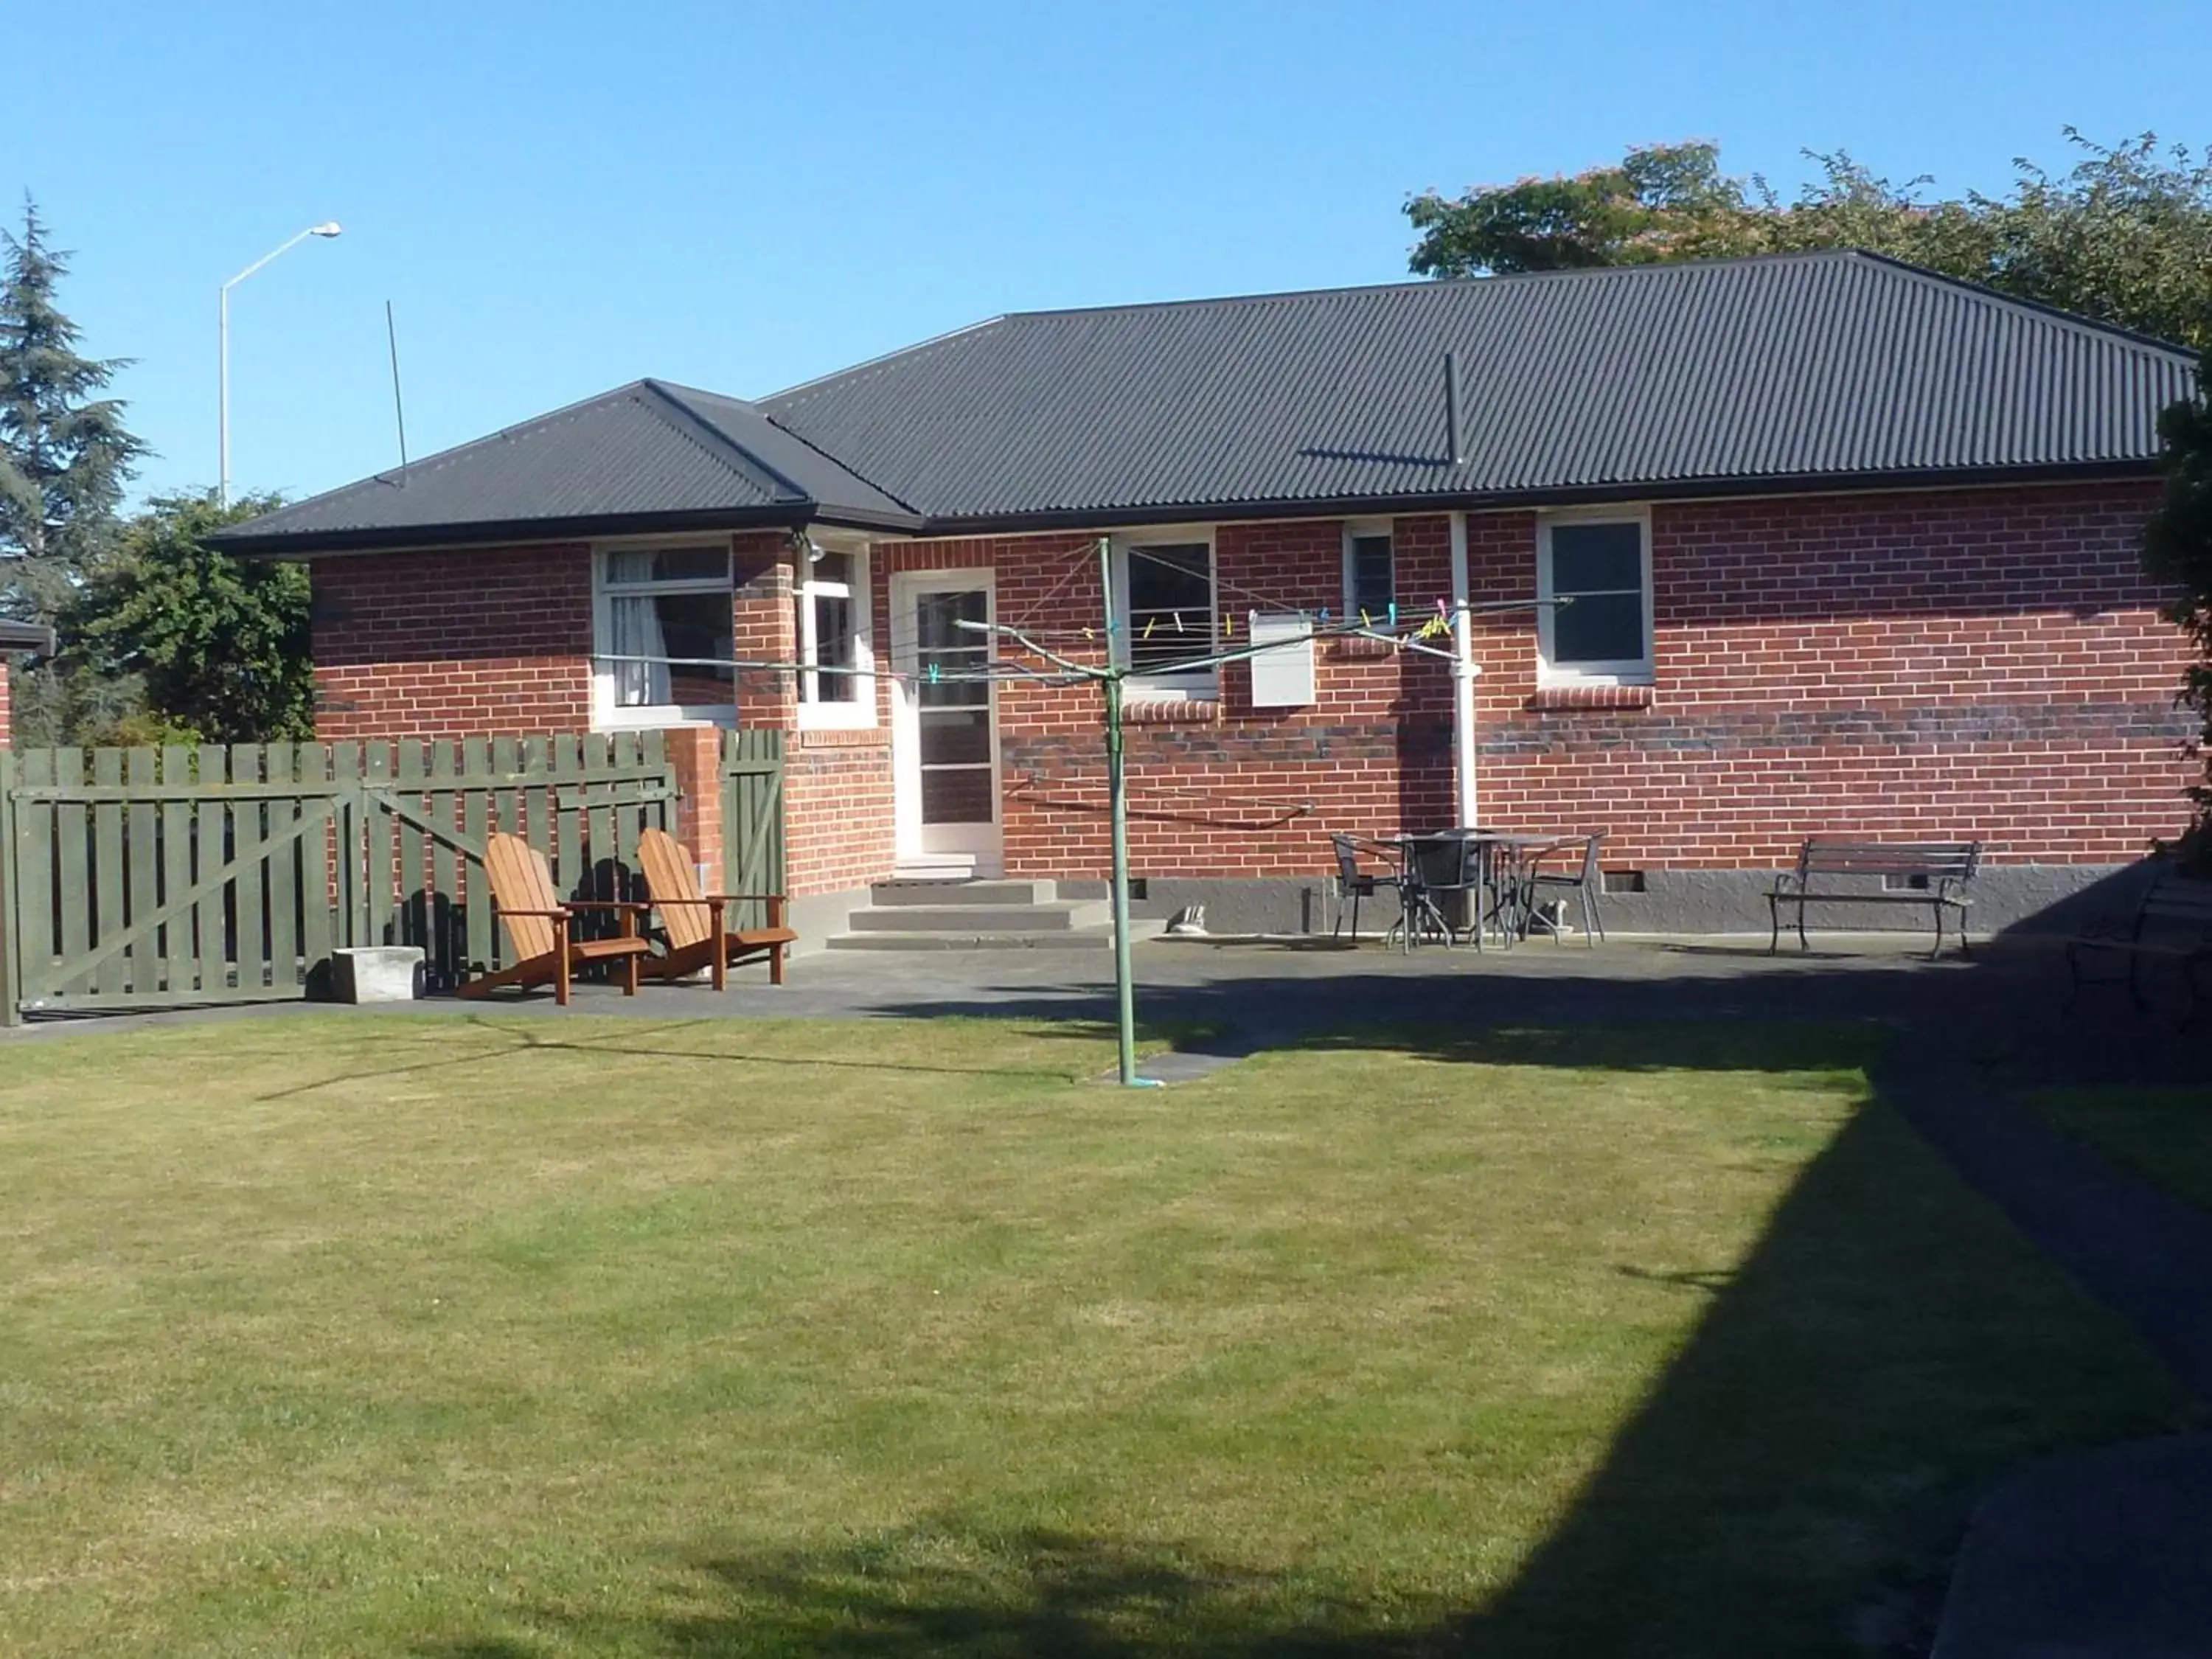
x=521, y=1336
x=2162, y=1134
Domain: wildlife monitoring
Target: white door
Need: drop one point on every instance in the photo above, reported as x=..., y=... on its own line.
x=945, y=730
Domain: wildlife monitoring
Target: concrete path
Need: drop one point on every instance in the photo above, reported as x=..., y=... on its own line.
x=2106, y=1555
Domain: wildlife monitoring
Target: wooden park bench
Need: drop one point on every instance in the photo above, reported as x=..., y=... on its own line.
x=2173, y=922
x=1933, y=873
x=696, y=924
x=541, y=926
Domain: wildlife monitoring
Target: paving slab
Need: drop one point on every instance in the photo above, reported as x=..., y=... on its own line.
x=2104, y=1555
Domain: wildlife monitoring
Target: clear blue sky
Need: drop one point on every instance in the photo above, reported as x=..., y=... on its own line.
x=559, y=195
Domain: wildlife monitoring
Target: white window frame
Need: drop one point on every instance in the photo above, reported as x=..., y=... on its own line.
x=608, y=715
x=1194, y=685
x=1627, y=672
x=860, y=713
x=1355, y=530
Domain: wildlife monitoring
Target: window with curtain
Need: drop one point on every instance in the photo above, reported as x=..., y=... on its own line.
x=665, y=639
x=833, y=687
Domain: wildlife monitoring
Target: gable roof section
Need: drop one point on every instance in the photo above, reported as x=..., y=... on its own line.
x=1791, y=368
x=1828, y=369
x=649, y=455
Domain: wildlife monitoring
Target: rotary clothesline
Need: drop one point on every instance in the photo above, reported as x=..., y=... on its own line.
x=1395, y=630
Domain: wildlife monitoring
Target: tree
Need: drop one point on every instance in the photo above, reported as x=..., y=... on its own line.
x=218, y=646
x=2178, y=549
x=64, y=459
x=2124, y=236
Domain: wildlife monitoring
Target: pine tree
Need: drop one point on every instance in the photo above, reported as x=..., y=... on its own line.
x=65, y=458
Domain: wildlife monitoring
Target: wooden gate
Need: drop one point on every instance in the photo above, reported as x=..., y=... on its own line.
x=172, y=877
x=752, y=817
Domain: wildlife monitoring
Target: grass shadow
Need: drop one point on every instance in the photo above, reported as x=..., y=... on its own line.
x=1794, y=1482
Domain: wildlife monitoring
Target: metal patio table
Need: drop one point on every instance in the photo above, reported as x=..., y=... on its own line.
x=1501, y=887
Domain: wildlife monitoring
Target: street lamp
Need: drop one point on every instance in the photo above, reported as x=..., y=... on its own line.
x=328, y=227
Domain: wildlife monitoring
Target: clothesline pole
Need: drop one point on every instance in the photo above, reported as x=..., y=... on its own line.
x=1117, y=813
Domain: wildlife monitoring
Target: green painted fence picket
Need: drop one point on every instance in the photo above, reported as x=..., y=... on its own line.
x=752, y=819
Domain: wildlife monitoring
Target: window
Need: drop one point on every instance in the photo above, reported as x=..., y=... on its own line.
x=1602, y=567
x=1165, y=591
x=665, y=638
x=1371, y=577
x=833, y=635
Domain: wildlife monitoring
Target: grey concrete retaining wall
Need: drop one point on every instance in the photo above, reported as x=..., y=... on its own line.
x=2018, y=896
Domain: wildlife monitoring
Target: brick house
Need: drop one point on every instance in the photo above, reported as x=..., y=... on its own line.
x=1849, y=548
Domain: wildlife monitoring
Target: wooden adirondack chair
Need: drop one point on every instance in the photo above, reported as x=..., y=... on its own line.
x=697, y=924
x=540, y=926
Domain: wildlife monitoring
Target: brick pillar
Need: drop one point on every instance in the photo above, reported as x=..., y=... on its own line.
x=766, y=628
x=696, y=752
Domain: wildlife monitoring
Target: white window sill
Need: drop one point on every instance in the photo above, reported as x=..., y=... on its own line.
x=663, y=719
x=838, y=716
x=1137, y=691
x=1565, y=679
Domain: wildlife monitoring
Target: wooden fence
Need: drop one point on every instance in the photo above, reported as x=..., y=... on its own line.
x=752, y=816
x=162, y=878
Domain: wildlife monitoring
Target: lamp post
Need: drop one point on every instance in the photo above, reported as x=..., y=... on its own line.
x=328, y=227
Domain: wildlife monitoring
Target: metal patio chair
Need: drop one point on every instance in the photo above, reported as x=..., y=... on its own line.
x=1353, y=882
x=1583, y=880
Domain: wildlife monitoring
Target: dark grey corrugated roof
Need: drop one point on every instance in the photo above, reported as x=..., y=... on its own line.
x=1798, y=370
x=657, y=454
x=1831, y=363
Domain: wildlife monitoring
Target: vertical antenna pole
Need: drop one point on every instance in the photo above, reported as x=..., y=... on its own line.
x=1454, y=438
x=1117, y=811
x=222, y=396
x=398, y=408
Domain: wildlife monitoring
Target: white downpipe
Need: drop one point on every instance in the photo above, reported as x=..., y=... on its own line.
x=1464, y=671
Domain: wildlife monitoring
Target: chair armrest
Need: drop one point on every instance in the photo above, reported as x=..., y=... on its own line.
x=509, y=910
x=606, y=904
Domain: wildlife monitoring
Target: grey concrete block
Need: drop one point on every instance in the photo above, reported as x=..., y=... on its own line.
x=377, y=973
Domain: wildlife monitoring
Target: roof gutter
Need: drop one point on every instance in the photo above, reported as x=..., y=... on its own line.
x=585, y=527
x=1378, y=506
x=797, y=516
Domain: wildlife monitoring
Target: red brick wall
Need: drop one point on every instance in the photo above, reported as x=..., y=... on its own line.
x=448, y=645
x=1219, y=789
x=1980, y=662
x=1983, y=662
x=6, y=716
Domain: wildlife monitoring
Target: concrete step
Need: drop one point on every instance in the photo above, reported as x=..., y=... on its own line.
x=1081, y=938
x=964, y=892
x=1056, y=916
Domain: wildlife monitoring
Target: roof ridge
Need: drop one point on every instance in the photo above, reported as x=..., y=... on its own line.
x=883, y=357
x=2035, y=308
x=720, y=444
x=797, y=437
x=1577, y=272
